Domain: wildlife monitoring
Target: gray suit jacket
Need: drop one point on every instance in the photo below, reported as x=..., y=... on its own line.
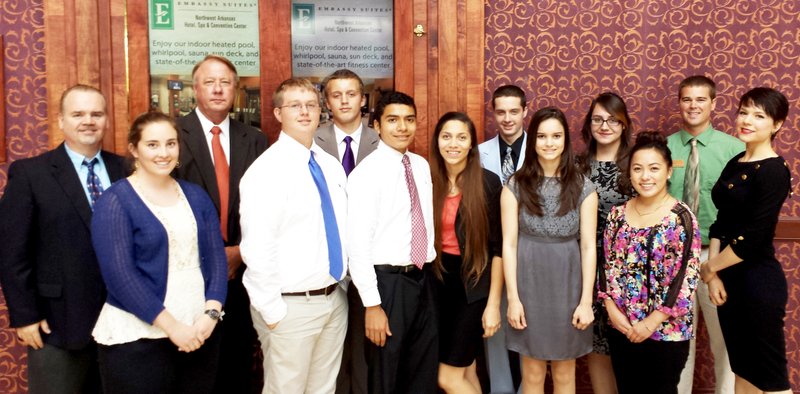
x=326, y=139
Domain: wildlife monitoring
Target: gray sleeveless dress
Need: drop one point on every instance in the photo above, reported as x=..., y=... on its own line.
x=549, y=279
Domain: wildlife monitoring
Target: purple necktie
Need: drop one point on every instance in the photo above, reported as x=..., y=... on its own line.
x=348, y=161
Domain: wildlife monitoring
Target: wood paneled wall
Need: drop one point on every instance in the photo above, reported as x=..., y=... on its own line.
x=85, y=43
x=446, y=70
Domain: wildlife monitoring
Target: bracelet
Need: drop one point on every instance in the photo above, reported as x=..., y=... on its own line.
x=645, y=326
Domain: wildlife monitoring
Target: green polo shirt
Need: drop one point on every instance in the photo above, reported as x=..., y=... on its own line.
x=716, y=149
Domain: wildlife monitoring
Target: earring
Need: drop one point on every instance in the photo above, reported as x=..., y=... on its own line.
x=178, y=164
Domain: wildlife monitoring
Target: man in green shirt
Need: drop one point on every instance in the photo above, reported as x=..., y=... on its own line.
x=697, y=99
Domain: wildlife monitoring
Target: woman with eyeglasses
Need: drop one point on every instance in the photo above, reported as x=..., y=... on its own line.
x=549, y=217
x=744, y=278
x=607, y=134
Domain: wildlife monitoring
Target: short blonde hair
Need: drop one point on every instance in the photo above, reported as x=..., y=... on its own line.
x=299, y=83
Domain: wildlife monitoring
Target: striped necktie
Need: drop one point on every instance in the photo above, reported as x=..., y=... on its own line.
x=691, y=181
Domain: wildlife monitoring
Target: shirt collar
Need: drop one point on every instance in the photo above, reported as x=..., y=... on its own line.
x=516, y=146
x=704, y=138
x=356, y=135
x=77, y=158
x=207, y=124
x=390, y=151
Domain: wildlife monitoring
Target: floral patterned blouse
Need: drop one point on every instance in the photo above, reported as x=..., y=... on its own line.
x=653, y=268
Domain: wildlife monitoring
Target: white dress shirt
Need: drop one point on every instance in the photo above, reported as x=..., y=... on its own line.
x=283, y=230
x=224, y=135
x=379, y=216
x=356, y=136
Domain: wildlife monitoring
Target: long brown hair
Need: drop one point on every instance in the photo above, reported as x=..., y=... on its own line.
x=614, y=105
x=473, y=205
x=530, y=176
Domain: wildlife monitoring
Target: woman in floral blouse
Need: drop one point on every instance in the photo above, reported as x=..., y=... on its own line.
x=652, y=249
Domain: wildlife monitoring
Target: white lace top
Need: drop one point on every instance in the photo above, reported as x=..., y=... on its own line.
x=185, y=297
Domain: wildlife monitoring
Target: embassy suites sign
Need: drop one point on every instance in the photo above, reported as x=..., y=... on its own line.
x=183, y=32
x=328, y=35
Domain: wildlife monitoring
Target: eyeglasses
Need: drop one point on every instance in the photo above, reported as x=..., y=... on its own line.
x=297, y=107
x=598, y=121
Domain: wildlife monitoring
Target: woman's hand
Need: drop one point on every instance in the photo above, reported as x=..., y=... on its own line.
x=583, y=316
x=641, y=330
x=716, y=291
x=706, y=273
x=204, y=325
x=618, y=319
x=185, y=337
x=491, y=320
x=516, y=315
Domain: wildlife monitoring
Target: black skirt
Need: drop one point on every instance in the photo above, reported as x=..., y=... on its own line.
x=460, y=326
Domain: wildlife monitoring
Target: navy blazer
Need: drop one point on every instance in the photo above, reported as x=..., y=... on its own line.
x=491, y=190
x=48, y=267
x=133, y=249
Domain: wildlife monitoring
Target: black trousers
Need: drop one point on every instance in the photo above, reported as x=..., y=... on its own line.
x=409, y=362
x=53, y=370
x=352, y=377
x=647, y=367
x=156, y=366
x=238, y=370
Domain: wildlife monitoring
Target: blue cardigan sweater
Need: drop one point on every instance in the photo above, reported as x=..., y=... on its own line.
x=132, y=249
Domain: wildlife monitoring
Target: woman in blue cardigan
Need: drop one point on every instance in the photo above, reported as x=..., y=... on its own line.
x=161, y=254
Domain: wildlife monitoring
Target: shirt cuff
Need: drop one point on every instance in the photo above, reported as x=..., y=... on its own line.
x=370, y=297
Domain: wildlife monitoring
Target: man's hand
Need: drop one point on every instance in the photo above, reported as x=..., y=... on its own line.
x=30, y=336
x=234, y=260
x=377, y=325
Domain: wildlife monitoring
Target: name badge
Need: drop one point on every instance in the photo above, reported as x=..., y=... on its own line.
x=678, y=163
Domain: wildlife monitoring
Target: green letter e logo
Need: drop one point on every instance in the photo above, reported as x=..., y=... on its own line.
x=303, y=18
x=161, y=14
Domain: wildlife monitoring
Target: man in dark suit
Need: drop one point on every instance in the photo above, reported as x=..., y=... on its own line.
x=48, y=267
x=215, y=152
x=349, y=139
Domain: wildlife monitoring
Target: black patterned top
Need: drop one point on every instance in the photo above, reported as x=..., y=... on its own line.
x=604, y=175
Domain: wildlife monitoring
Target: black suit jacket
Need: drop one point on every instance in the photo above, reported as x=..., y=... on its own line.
x=491, y=191
x=247, y=143
x=48, y=267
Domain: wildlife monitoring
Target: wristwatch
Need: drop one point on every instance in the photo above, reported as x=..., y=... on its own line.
x=214, y=314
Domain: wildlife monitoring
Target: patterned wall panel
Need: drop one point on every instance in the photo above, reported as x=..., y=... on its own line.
x=22, y=26
x=563, y=53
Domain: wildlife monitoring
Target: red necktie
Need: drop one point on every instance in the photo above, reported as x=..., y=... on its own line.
x=223, y=182
x=419, y=235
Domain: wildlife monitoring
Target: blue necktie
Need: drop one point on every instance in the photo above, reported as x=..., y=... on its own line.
x=329, y=216
x=348, y=161
x=93, y=181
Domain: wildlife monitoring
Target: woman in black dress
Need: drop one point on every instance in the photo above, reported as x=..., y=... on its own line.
x=466, y=206
x=744, y=278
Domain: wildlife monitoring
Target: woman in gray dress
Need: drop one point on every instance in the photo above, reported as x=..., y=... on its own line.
x=549, y=215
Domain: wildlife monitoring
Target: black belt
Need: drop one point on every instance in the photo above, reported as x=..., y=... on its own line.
x=396, y=269
x=318, y=292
